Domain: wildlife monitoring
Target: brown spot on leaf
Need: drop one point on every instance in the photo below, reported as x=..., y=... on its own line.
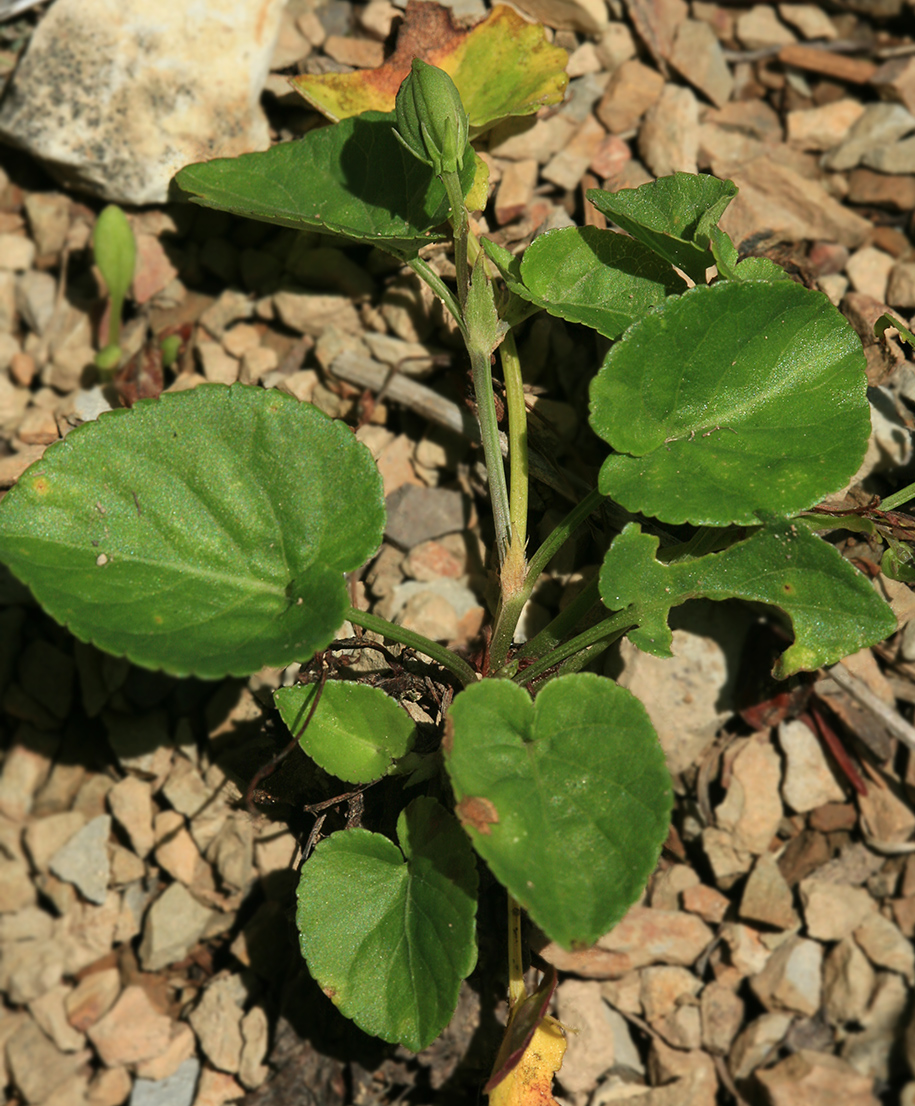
x=477, y=813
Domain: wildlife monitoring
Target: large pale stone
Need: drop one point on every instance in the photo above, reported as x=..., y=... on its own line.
x=833, y=910
x=809, y=781
x=885, y=945
x=791, y=978
x=697, y=54
x=722, y=1014
x=766, y=896
x=663, y=987
x=148, y=89
x=756, y=1042
x=589, y=1051
x=589, y=16
x=823, y=127
x=643, y=937
x=217, y=1022
x=810, y=1078
x=83, y=860
x=848, y=983
x=173, y=925
x=669, y=135
x=690, y=696
x=38, y=1068
x=131, y=804
x=790, y=205
x=752, y=808
x=132, y=1030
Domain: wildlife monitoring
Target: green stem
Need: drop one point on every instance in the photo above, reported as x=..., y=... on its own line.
x=517, y=439
x=606, y=631
x=425, y=272
x=563, y=624
x=898, y=498
x=511, y=606
x=419, y=642
x=516, y=989
x=514, y=568
x=455, y=193
x=561, y=534
x=585, y=657
x=492, y=448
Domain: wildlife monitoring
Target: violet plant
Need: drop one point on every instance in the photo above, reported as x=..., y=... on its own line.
x=210, y=532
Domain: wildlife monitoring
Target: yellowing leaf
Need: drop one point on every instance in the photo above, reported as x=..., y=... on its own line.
x=503, y=66
x=479, y=191
x=529, y=1083
x=531, y=1051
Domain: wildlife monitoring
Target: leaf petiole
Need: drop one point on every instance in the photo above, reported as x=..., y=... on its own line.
x=445, y=657
x=606, y=631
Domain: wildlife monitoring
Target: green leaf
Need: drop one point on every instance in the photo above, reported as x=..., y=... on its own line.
x=353, y=179
x=356, y=733
x=733, y=399
x=205, y=532
x=898, y=561
x=674, y=216
x=115, y=251
x=389, y=933
x=886, y=321
x=731, y=268
x=480, y=314
x=725, y=253
x=832, y=607
x=596, y=277
x=760, y=268
x=567, y=798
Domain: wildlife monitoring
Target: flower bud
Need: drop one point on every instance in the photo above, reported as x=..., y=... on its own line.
x=431, y=121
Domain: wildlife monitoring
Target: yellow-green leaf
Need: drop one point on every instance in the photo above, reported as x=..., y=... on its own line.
x=503, y=66
x=529, y=1082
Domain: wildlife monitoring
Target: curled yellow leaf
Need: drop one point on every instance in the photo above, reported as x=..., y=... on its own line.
x=530, y=1081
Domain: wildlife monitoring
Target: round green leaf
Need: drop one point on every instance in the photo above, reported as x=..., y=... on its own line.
x=205, y=532
x=389, y=933
x=356, y=732
x=735, y=399
x=596, y=277
x=567, y=798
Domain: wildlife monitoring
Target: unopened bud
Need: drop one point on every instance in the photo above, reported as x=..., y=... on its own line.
x=431, y=121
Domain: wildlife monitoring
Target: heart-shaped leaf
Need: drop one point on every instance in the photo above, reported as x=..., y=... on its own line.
x=503, y=66
x=734, y=399
x=205, y=532
x=389, y=933
x=832, y=607
x=596, y=277
x=356, y=732
x=674, y=216
x=353, y=179
x=567, y=798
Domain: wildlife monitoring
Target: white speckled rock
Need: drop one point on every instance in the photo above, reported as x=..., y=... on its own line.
x=115, y=96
